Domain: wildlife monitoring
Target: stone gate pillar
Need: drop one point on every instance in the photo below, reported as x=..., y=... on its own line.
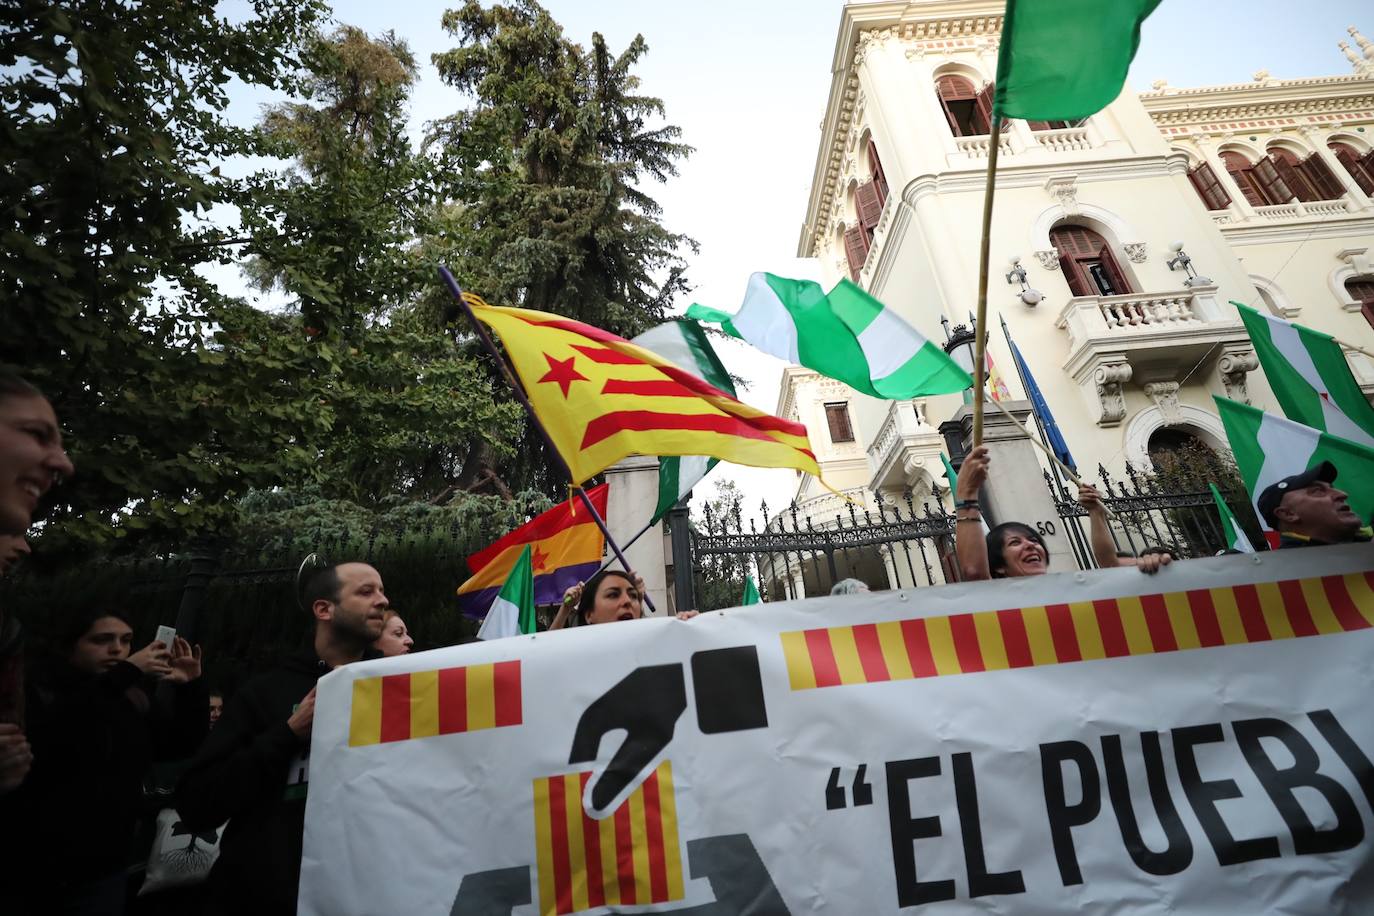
x=1016, y=491
x=629, y=504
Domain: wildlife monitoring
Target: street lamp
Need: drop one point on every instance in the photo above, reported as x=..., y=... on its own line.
x=1017, y=274
x=1180, y=260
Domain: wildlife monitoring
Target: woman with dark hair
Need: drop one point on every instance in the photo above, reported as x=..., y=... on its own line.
x=1008, y=551
x=607, y=597
x=96, y=729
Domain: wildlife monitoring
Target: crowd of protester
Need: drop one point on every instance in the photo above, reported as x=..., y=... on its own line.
x=83, y=729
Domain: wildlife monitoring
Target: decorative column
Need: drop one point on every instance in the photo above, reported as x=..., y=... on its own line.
x=634, y=489
x=1207, y=146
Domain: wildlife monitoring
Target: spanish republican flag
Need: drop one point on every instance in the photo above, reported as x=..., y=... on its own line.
x=602, y=398
x=565, y=548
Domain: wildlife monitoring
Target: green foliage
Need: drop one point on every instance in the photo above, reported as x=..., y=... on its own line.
x=1188, y=468
x=719, y=578
x=548, y=166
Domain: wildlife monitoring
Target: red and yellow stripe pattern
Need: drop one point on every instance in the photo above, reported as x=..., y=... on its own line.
x=631, y=858
x=421, y=704
x=1057, y=634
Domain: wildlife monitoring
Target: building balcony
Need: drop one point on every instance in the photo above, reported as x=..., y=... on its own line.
x=905, y=453
x=1065, y=140
x=1158, y=341
x=1295, y=211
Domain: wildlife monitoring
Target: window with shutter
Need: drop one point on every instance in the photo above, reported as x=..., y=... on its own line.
x=1272, y=185
x=1361, y=289
x=856, y=250
x=959, y=101
x=875, y=168
x=983, y=110
x=1293, y=175
x=1054, y=125
x=869, y=205
x=837, y=415
x=1326, y=185
x=1360, y=168
x=1208, y=187
x=1089, y=266
x=1244, y=175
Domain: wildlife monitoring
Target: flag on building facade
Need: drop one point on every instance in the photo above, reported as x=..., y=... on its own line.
x=997, y=386
x=1055, y=438
x=1065, y=59
x=601, y=398
x=684, y=343
x=1310, y=377
x=846, y=335
x=751, y=593
x=565, y=547
x=1230, y=528
x=1269, y=448
x=512, y=613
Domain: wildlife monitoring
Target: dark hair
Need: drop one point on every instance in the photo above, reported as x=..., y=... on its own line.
x=322, y=583
x=997, y=562
x=588, y=598
x=80, y=624
x=14, y=385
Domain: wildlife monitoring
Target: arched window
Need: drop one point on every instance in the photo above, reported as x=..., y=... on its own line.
x=1361, y=168
x=1248, y=180
x=969, y=111
x=1309, y=179
x=1361, y=289
x=1088, y=263
x=875, y=169
x=1208, y=187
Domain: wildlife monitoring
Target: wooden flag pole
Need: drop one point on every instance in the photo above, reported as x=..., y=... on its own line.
x=980, y=322
x=490, y=346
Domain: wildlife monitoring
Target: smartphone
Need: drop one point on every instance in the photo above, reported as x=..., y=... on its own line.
x=166, y=635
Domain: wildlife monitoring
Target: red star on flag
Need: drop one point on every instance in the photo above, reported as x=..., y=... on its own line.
x=537, y=559
x=562, y=372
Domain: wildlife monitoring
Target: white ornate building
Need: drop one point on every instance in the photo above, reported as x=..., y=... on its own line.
x=1266, y=184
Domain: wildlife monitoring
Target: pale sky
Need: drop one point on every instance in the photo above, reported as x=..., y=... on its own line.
x=747, y=81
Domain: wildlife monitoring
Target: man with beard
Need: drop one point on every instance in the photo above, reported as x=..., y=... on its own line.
x=253, y=769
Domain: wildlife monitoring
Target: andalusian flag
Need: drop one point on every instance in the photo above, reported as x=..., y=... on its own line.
x=1269, y=448
x=512, y=613
x=1235, y=537
x=601, y=398
x=684, y=343
x=1065, y=59
x=847, y=335
x=1310, y=377
x=751, y=593
x=564, y=546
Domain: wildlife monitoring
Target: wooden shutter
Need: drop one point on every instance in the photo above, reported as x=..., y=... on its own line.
x=1078, y=285
x=875, y=166
x=1327, y=186
x=983, y=110
x=1357, y=166
x=949, y=89
x=1114, y=271
x=868, y=203
x=1361, y=289
x=856, y=250
x=1274, y=188
x=837, y=416
x=1244, y=175
x=1286, y=164
x=1209, y=187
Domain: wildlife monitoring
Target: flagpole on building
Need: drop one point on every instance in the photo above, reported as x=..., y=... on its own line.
x=520, y=396
x=980, y=323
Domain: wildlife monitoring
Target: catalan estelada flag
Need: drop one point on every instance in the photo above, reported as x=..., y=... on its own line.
x=565, y=548
x=631, y=858
x=1078, y=631
x=422, y=704
x=601, y=398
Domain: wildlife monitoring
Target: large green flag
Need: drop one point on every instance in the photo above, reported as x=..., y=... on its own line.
x=1310, y=377
x=1269, y=448
x=684, y=343
x=1235, y=537
x=751, y=593
x=512, y=613
x=1065, y=59
x=845, y=334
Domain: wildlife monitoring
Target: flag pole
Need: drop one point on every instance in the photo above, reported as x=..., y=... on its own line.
x=520, y=396
x=980, y=322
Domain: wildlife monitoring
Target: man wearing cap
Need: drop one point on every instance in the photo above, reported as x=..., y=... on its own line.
x=1307, y=511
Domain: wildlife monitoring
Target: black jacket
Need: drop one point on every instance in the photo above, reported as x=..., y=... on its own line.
x=253, y=772
x=94, y=740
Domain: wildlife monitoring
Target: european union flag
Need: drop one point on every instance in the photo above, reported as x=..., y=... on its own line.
x=1055, y=439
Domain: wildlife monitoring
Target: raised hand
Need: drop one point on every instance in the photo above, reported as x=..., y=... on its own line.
x=973, y=473
x=153, y=659
x=303, y=719
x=185, y=662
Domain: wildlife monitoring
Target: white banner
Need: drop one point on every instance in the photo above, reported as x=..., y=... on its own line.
x=1196, y=741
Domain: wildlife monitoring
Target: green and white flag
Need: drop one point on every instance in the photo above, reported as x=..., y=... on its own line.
x=1310, y=377
x=1269, y=448
x=1235, y=537
x=1065, y=59
x=751, y=593
x=846, y=335
x=684, y=343
x=512, y=613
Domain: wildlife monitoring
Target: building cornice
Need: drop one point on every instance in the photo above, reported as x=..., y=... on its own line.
x=860, y=26
x=1298, y=231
